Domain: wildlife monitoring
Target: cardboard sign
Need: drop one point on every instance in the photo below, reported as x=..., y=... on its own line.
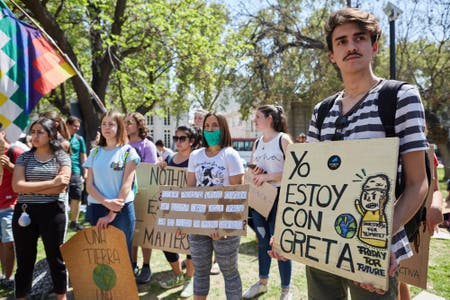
x=146, y=204
x=99, y=264
x=336, y=206
x=204, y=210
x=260, y=198
x=414, y=270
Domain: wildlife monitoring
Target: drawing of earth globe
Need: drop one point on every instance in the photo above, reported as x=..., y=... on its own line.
x=104, y=277
x=346, y=226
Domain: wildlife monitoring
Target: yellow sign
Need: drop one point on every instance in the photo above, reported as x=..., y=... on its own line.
x=414, y=270
x=260, y=198
x=204, y=210
x=146, y=204
x=336, y=206
x=99, y=265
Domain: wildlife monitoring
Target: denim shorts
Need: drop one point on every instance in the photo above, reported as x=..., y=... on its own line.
x=6, y=216
x=75, y=187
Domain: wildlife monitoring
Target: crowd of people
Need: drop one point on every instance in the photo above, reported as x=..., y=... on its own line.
x=43, y=180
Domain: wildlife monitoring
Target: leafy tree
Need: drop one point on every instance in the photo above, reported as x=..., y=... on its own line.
x=138, y=54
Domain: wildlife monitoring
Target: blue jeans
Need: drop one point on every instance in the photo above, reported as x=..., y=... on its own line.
x=264, y=230
x=125, y=220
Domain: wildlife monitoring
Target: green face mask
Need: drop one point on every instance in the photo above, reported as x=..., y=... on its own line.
x=212, y=137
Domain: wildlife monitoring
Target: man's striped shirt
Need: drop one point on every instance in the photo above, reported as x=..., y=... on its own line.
x=363, y=122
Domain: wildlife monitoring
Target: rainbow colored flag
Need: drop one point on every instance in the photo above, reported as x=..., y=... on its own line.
x=29, y=69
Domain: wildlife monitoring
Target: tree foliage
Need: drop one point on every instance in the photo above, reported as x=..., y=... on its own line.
x=139, y=54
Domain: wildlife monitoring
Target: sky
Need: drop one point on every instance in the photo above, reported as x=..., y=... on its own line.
x=410, y=23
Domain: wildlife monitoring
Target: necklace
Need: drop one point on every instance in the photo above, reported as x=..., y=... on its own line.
x=347, y=95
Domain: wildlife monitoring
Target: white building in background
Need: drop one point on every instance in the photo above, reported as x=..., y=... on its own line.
x=239, y=127
x=163, y=128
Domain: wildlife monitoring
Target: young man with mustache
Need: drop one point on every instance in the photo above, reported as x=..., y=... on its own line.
x=352, y=38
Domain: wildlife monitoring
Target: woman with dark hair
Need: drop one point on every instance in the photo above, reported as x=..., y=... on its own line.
x=216, y=164
x=41, y=176
x=61, y=127
x=137, y=131
x=185, y=139
x=111, y=170
x=268, y=157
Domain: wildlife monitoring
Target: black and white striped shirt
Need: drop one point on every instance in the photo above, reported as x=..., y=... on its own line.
x=36, y=170
x=363, y=122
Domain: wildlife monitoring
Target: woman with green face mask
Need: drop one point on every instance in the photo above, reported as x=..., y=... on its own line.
x=217, y=164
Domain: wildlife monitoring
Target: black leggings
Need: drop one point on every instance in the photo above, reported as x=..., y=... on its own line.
x=173, y=257
x=48, y=221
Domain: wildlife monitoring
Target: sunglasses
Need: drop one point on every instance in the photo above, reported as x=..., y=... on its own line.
x=182, y=138
x=340, y=123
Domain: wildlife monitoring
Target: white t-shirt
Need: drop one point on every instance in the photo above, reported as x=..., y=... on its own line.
x=269, y=156
x=215, y=171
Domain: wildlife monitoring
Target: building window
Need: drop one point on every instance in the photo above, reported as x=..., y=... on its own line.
x=167, y=138
x=167, y=117
x=150, y=120
x=151, y=133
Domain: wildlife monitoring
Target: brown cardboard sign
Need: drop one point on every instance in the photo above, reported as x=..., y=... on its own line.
x=414, y=270
x=336, y=206
x=146, y=204
x=99, y=264
x=204, y=210
x=260, y=198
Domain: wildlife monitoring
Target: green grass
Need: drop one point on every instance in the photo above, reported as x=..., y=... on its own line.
x=442, y=182
x=438, y=278
x=438, y=271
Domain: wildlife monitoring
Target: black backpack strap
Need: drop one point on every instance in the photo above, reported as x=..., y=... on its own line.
x=257, y=142
x=387, y=105
x=323, y=110
x=281, y=146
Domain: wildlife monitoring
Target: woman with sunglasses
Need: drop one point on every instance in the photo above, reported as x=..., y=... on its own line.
x=217, y=164
x=271, y=121
x=137, y=132
x=185, y=140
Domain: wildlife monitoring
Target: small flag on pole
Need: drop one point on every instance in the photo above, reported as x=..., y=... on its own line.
x=30, y=68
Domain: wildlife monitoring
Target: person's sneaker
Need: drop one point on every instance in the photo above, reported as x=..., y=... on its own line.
x=286, y=295
x=75, y=226
x=135, y=270
x=173, y=282
x=7, y=283
x=188, y=288
x=144, y=276
x=255, y=290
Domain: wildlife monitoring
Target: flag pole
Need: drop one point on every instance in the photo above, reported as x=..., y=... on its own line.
x=66, y=57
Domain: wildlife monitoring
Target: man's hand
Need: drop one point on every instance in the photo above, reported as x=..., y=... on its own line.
x=393, y=266
x=272, y=253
